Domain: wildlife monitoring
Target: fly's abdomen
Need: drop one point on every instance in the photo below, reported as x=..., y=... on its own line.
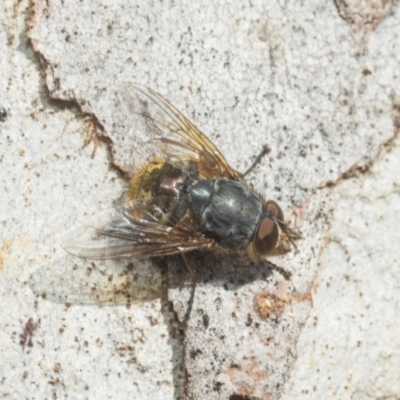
x=227, y=211
x=162, y=187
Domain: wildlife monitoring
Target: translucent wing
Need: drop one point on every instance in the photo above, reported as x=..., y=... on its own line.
x=121, y=233
x=171, y=134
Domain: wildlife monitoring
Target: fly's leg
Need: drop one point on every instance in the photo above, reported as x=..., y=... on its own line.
x=194, y=282
x=286, y=274
x=265, y=150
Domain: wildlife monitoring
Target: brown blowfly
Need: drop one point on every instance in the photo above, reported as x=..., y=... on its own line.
x=184, y=197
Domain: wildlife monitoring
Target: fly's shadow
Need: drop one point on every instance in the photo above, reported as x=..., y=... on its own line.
x=220, y=269
x=113, y=282
x=216, y=269
x=124, y=282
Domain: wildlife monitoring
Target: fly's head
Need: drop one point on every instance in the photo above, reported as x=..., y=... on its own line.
x=272, y=236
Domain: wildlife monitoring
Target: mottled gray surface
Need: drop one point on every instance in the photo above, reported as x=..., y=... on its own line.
x=319, y=84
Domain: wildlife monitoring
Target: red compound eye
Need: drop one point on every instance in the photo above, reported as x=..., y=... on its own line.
x=266, y=236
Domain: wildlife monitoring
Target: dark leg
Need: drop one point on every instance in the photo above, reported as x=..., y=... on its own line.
x=193, y=279
x=265, y=150
x=286, y=274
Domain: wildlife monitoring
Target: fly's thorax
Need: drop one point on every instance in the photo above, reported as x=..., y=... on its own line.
x=227, y=210
x=162, y=186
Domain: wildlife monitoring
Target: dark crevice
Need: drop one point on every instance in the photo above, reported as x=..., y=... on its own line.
x=49, y=99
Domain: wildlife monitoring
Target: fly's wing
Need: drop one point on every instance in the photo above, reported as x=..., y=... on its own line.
x=121, y=233
x=171, y=134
